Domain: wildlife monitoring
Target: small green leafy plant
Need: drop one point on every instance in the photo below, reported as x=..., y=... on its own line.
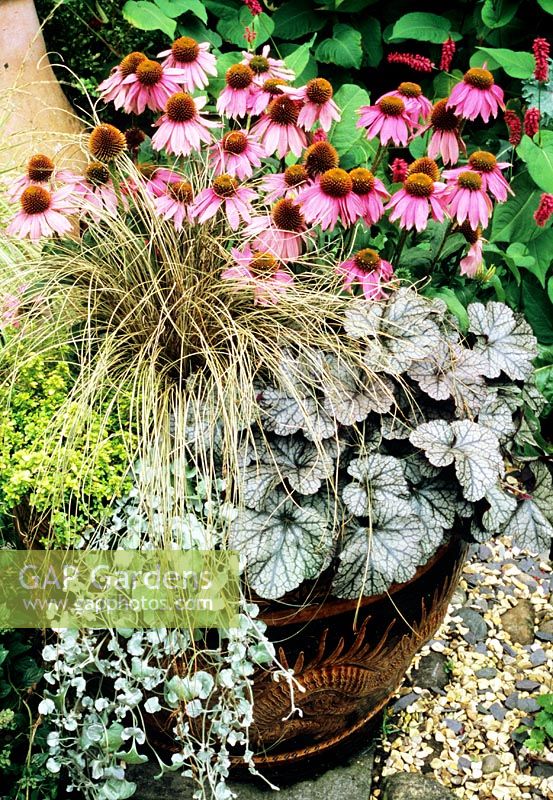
x=540, y=733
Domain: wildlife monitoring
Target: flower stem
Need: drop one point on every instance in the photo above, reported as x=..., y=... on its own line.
x=378, y=158
x=399, y=247
x=441, y=247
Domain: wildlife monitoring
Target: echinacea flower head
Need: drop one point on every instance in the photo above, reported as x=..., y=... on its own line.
x=106, y=142
x=331, y=198
x=283, y=184
x=388, y=119
x=239, y=93
x=182, y=128
x=43, y=213
x=419, y=197
x=477, y=95
x=225, y=193
x=320, y=157
x=468, y=201
x=265, y=68
x=369, y=271
x=41, y=171
x=97, y=195
x=445, y=139
x=158, y=178
x=150, y=86
x=193, y=59
x=471, y=264
x=260, y=272
x=426, y=165
x=416, y=104
x=237, y=154
x=267, y=92
x=174, y=203
x=371, y=192
x=281, y=233
x=278, y=128
x=489, y=169
x=318, y=105
x=113, y=90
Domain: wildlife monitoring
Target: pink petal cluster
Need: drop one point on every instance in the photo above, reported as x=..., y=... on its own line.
x=471, y=264
x=370, y=192
x=224, y=193
x=419, y=197
x=237, y=153
x=278, y=128
x=388, y=119
x=174, y=203
x=468, y=201
x=282, y=233
x=265, y=68
x=43, y=213
x=369, y=271
x=182, y=128
x=193, y=59
x=318, y=105
x=151, y=86
x=490, y=171
x=260, y=272
x=239, y=94
x=416, y=104
x=329, y=199
x=476, y=95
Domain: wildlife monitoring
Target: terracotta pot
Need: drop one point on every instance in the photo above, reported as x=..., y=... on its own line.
x=349, y=656
x=35, y=114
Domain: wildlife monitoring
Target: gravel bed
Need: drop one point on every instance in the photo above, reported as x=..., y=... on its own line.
x=476, y=681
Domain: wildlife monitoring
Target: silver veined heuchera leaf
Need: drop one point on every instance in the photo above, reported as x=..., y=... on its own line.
x=473, y=448
x=398, y=332
x=379, y=487
x=281, y=546
x=373, y=558
x=505, y=341
x=502, y=507
x=531, y=526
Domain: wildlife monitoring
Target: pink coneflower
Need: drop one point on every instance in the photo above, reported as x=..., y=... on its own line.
x=43, y=213
x=175, y=202
x=239, y=93
x=367, y=269
x=540, y=48
x=445, y=139
x=467, y=200
x=544, y=209
x=41, y=171
x=97, y=193
x=416, y=104
x=318, y=105
x=283, y=184
x=226, y=192
x=281, y=233
x=113, y=90
x=471, y=264
x=532, y=122
x=514, y=126
x=476, y=95
x=236, y=154
x=448, y=51
x=182, y=128
x=398, y=168
x=271, y=88
x=260, y=272
x=331, y=198
x=150, y=86
x=265, y=68
x=194, y=61
x=388, y=119
x=371, y=192
x=413, y=60
x=426, y=165
x=157, y=179
x=278, y=128
x=320, y=157
x=489, y=169
x=419, y=197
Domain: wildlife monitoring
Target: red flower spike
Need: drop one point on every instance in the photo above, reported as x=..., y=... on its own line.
x=532, y=122
x=514, y=125
x=399, y=169
x=448, y=51
x=544, y=210
x=540, y=48
x=413, y=60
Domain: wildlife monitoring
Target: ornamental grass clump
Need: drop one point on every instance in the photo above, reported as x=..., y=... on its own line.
x=229, y=292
